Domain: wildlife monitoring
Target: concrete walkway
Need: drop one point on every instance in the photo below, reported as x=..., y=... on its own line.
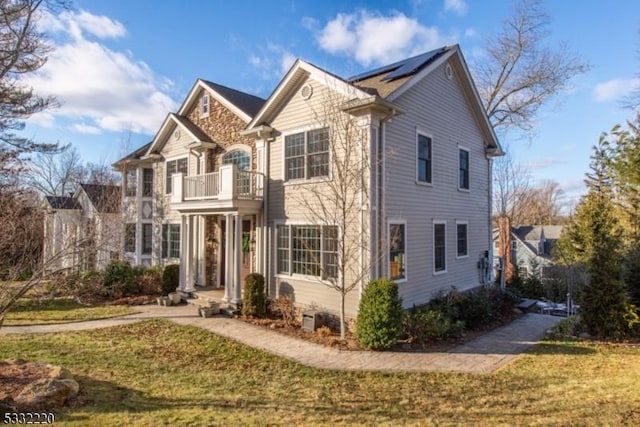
x=482, y=355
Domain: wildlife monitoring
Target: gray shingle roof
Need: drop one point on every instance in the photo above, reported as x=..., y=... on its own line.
x=105, y=198
x=250, y=104
x=62, y=202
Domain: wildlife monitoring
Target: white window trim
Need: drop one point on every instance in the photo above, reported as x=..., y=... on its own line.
x=433, y=246
x=201, y=104
x=423, y=132
x=296, y=276
x=164, y=175
x=300, y=181
x=406, y=253
x=463, y=148
x=169, y=258
x=467, y=254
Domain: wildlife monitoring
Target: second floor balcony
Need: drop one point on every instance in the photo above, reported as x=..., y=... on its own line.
x=229, y=188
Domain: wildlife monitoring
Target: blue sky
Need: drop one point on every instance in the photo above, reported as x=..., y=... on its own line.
x=120, y=66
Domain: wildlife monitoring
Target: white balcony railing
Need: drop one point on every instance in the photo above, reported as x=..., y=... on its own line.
x=227, y=184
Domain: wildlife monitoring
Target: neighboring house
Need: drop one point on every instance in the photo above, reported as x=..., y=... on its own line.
x=82, y=231
x=532, y=248
x=231, y=170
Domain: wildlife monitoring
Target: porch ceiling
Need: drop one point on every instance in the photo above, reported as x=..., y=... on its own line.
x=207, y=207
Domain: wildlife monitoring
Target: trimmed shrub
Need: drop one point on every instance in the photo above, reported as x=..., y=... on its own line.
x=170, y=279
x=422, y=325
x=148, y=281
x=118, y=279
x=380, y=315
x=253, y=303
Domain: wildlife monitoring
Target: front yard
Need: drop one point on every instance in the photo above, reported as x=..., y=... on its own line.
x=159, y=373
x=59, y=310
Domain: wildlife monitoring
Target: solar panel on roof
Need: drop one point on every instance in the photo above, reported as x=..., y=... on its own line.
x=401, y=68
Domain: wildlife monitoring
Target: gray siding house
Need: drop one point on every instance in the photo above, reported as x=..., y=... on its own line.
x=261, y=196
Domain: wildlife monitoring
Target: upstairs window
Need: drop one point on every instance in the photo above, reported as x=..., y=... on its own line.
x=204, y=105
x=463, y=168
x=175, y=166
x=131, y=183
x=240, y=158
x=423, y=167
x=306, y=154
x=147, y=182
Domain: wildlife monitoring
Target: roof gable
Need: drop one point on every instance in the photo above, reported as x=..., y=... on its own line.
x=240, y=103
x=298, y=72
x=170, y=123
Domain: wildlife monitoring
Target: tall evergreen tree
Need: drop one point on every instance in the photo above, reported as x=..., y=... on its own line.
x=593, y=238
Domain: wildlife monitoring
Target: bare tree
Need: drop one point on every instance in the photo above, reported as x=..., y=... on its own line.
x=543, y=204
x=335, y=205
x=55, y=174
x=520, y=73
x=511, y=188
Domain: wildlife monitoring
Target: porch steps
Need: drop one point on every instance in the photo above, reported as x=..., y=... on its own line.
x=209, y=298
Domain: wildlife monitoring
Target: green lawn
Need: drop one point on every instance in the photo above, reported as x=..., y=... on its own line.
x=63, y=310
x=159, y=373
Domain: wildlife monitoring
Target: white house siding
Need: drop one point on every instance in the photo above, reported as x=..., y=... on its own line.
x=437, y=106
x=284, y=199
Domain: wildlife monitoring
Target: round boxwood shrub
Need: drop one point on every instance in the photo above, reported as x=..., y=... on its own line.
x=379, y=322
x=170, y=279
x=253, y=303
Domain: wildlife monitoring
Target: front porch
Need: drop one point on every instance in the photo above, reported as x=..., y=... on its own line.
x=218, y=250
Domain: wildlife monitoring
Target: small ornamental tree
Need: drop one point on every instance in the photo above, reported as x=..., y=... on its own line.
x=254, y=303
x=379, y=322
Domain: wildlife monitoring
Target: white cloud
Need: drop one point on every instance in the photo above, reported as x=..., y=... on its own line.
x=286, y=61
x=457, y=6
x=82, y=128
x=544, y=162
x=374, y=38
x=615, y=89
x=99, y=88
x=470, y=32
x=272, y=61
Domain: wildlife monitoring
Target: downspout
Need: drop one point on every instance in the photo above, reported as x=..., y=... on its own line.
x=381, y=192
x=266, y=235
x=489, y=278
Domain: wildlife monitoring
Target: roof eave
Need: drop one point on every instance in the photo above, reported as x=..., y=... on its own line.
x=362, y=106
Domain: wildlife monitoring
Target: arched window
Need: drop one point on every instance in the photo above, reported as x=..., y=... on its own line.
x=240, y=158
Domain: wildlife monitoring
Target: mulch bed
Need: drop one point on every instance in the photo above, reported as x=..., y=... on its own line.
x=329, y=338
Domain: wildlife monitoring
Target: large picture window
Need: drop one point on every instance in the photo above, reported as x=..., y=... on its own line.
x=439, y=247
x=175, y=166
x=423, y=168
x=170, y=241
x=397, y=251
x=309, y=250
x=306, y=154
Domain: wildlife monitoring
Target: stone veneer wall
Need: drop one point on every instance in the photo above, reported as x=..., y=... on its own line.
x=224, y=129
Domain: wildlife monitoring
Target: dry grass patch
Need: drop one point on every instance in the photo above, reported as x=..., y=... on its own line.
x=59, y=310
x=159, y=373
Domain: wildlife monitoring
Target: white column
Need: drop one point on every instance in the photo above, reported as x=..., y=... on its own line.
x=228, y=257
x=190, y=254
x=237, y=257
x=201, y=251
x=184, y=265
